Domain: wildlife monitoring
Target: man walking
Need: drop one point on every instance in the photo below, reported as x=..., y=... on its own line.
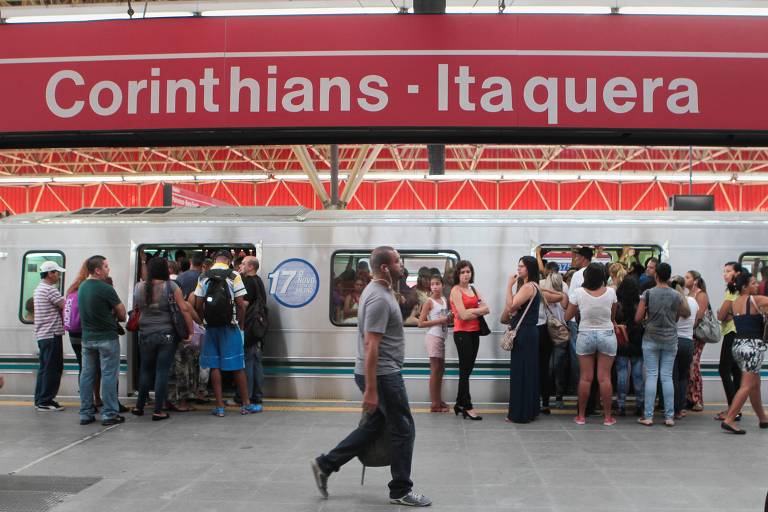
x=100, y=311
x=49, y=329
x=380, y=355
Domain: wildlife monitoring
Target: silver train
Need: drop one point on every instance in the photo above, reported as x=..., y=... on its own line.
x=305, y=254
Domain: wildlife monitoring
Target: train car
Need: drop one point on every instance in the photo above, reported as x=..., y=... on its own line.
x=311, y=259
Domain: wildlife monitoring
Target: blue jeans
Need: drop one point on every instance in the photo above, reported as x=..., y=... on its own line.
x=623, y=366
x=254, y=374
x=108, y=352
x=659, y=359
x=393, y=413
x=51, y=368
x=157, y=351
x=681, y=371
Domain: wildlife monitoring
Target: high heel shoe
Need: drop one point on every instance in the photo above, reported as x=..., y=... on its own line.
x=458, y=409
x=466, y=415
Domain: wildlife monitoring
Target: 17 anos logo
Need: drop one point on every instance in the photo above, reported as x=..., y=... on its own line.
x=294, y=283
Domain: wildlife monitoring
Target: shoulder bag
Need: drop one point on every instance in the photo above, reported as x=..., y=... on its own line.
x=177, y=318
x=558, y=331
x=508, y=340
x=133, y=319
x=708, y=330
x=484, y=329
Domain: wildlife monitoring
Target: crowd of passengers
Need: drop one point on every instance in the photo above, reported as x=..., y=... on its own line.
x=639, y=321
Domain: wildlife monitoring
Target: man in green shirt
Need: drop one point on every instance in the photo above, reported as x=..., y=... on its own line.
x=100, y=310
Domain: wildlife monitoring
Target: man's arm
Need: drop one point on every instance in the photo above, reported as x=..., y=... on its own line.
x=120, y=312
x=240, y=307
x=371, y=394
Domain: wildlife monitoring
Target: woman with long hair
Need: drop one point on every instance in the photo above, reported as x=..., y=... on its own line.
x=729, y=371
x=157, y=335
x=435, y=316
x=596, y=340
x=629, y=355
x=684, y=357
x=75, y=331
x=554, y=284
x=697, y=289
x=467, y=306
x=748, y=350
x=617, y=271
x=524, y=357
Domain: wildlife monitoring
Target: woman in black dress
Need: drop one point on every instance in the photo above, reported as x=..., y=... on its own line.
x=524, y=358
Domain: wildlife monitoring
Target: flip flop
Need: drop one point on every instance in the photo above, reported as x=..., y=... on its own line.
x=720, y=416
x=731, y=429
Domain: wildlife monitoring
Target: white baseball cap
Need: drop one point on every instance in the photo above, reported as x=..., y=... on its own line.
x=50, y=266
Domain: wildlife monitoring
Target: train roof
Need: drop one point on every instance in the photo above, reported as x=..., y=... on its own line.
x=290, y=214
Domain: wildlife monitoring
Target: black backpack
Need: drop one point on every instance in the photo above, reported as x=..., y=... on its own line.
x=219, y=302
x=256, y=315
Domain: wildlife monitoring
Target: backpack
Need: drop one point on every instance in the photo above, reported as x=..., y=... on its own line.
x=256, y=315
x=72, y=314
x=219, y=303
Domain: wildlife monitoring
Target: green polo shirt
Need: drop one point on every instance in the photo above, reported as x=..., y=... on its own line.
x=96, y=301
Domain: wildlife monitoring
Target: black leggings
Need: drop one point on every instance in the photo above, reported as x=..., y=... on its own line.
x=467, y=344
x=729, y=371
x=545, y=354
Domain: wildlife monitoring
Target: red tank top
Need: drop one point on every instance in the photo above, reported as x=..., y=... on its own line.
x=459, y=325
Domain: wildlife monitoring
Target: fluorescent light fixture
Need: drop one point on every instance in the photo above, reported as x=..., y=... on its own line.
x=606, y=176
x=373, y=176
x=752, y=177
x=159, y=178
x=541, y=177
x=165, y=14
x=24, y=180
x=87, y=179
x=297, y=176
x=299, y=12
x=463, y=176
x=230, y=177
x=696, y=11
x=697, y=177
x=67, y=17
x=531, y=9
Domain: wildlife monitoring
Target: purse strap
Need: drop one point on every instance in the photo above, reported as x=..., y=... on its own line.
x=527, y=307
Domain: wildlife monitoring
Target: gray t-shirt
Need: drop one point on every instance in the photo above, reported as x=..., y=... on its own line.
x=378, y=312
x=157, y=317
x=661, y=305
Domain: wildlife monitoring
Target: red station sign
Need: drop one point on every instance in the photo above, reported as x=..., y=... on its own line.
x=474, y=71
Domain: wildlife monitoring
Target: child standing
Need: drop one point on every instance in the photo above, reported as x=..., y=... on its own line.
x=435, y=315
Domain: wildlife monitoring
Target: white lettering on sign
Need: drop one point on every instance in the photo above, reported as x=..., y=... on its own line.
x=459, y=88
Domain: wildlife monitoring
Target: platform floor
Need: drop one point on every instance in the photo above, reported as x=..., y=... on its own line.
x=196, y=462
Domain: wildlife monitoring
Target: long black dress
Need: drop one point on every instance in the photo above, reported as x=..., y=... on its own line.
x=524, y=366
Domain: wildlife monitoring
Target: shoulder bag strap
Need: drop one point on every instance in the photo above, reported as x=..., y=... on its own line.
x=530, y=301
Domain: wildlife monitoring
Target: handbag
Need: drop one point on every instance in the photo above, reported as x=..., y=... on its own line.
x=708, y=329
x=508, y=340
x=484, y=329
x=558, y=331
x=177, y=319
x=133, y=320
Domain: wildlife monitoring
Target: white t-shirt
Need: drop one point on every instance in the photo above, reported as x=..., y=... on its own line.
x=595, y=311
x=577, y=281
x=685, y=325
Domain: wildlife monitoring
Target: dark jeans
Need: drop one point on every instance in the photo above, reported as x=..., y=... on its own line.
x=681, y=371
x=254, y=374
x=560, y=369
x=545, y=354
x=51, y=368
x=394, y=413
x=729, y=371
x=157, y=351
x=467, y=345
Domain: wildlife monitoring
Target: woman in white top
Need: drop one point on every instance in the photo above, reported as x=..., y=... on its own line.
x=684, y=358
x=596, y=341
x=435, y=315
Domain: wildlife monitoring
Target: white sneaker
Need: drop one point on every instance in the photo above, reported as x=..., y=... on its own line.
x=53, y=407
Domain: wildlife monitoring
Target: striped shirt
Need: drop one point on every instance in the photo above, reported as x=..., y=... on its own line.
x=48, y=320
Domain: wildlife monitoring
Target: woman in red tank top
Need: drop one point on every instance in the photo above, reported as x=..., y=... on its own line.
x=467, y=306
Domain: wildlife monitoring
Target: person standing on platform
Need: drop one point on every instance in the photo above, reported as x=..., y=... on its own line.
x=380, y=356
x=730, y=373
x=49, y=331
x=256, y=324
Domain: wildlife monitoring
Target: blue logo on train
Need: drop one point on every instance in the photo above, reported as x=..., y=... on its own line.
x=294, y=283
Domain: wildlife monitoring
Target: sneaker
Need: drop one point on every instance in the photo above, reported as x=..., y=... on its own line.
x=412, y=499
x=609, y=422
x=321, y=478
x=88, y=421
x=114, y=420
x=579, y=420
x=49, y=407
x=251, y=409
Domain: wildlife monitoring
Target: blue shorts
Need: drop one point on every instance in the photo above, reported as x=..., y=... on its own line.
x=223, y=348
x=589, y=342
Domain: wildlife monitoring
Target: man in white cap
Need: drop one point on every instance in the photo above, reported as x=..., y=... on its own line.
x=49, y=329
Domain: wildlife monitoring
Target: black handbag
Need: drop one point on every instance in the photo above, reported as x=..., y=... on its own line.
x=484, y=329
x=177, y=319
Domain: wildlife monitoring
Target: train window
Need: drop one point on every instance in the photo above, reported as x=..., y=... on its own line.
x=30, y=278
x=351, y=272
x=181, y=253
x=629, y=255
x=757, y=264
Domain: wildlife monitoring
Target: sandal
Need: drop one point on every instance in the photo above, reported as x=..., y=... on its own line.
x=218, y=412
x=764, y=424
x=580, y=420
x=720, y=416
x=170, y=406
x=733, y=430
x=137, y=412
x=609, y=422
x=697, y=408
x=160, y=417
x=645, y=422
x=669, y=422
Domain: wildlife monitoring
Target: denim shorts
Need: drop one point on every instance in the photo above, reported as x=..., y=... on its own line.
x=223, y=348
x=589, y=342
